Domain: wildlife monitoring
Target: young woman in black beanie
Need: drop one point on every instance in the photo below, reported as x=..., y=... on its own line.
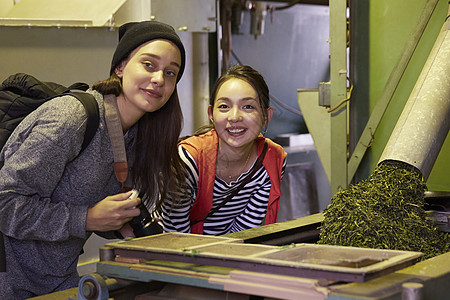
x=52, y=198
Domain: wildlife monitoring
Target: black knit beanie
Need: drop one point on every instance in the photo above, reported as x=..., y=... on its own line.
x=134, y=34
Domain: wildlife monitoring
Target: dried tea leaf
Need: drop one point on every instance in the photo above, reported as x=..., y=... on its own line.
x=386, y=211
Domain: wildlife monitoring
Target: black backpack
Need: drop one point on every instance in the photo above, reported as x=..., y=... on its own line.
x=22, y=93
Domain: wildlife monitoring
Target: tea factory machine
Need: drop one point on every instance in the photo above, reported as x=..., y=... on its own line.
x=277, y=261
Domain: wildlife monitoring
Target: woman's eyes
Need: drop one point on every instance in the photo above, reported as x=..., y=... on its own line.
x=148, y=64
x=171, y=73
x=245, y=107
x=151, y=66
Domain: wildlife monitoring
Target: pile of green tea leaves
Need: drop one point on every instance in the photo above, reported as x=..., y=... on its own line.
x=386, y=211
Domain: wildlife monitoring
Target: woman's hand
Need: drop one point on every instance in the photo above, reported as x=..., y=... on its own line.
x=112, y=212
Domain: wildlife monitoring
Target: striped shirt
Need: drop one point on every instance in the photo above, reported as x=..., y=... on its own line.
x=247, y=209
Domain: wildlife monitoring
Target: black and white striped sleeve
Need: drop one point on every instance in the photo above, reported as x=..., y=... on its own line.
x=175, y=213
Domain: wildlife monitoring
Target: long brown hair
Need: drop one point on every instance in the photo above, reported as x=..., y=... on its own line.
x=157, y=169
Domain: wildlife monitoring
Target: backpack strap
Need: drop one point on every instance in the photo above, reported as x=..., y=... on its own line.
x=91, y=107
x=77, y=86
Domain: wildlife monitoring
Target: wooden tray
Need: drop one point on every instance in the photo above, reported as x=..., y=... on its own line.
x=348, y=264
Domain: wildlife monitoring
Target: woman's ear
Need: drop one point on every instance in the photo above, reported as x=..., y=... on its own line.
x=269, y=115
x=210, y=113
x=119, y=69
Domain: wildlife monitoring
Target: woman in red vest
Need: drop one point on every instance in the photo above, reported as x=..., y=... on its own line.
x=233, y=172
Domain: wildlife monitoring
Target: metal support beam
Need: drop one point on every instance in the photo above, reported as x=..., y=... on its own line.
x=338, y=92
x=201, y=82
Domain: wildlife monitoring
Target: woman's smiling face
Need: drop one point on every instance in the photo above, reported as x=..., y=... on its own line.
x=149, y=75
x=237, y=114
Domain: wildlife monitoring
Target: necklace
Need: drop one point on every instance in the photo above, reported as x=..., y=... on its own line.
x=243, y=168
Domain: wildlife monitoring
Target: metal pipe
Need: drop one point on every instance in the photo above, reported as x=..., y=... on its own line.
x=425, y=121
x=412, y=291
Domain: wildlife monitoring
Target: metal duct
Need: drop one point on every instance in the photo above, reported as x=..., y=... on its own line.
x=425, y=121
